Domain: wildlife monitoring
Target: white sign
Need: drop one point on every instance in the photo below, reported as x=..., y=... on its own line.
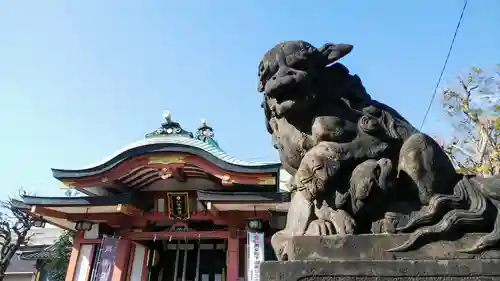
x=255, y=255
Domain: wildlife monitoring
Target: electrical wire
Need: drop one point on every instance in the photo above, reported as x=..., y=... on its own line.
x=444, y=65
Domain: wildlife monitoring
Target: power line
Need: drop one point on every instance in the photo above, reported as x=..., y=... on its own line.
x=444, y=65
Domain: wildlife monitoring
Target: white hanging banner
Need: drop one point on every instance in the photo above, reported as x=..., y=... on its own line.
x=255, y=255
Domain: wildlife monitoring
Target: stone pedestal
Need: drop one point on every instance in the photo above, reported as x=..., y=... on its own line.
x=363, y=257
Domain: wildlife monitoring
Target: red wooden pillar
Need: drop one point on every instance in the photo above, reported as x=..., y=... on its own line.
x=233, y=255
x=73, y=259
x=121, y=261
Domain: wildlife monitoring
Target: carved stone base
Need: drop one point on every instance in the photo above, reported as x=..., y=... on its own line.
x=404, y=270
x=363, y=257
x=373, y=246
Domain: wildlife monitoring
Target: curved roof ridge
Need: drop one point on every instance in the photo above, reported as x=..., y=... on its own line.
x=183, y=140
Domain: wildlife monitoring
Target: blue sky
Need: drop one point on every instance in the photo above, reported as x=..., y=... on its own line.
x=81, y=79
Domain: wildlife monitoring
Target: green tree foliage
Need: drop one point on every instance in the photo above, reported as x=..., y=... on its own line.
x=473, y=106
x=57, y=265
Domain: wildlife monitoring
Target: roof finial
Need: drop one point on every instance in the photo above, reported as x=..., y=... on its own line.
x=205, y=133
x=169, y=127
x=166, y=115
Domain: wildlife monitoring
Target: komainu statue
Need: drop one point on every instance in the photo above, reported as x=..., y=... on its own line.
x=357, y=165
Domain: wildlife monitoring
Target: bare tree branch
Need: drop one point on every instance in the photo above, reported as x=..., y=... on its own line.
x=14, y=229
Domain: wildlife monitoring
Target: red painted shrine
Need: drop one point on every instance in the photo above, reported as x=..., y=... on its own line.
x=177, y=206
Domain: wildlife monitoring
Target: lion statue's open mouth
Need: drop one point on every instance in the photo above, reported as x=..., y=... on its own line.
x=286, y=74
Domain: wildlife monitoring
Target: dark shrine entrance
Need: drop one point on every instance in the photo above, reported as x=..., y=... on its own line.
x=189, y=260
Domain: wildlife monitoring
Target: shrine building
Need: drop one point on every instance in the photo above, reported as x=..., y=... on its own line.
x=171, y=207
